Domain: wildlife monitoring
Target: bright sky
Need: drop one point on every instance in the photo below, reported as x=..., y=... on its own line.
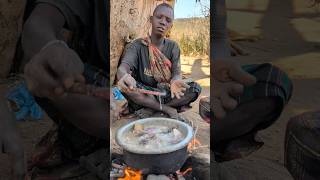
x=189, y=8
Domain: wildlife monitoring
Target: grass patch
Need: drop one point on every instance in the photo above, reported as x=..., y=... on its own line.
x=192, y=35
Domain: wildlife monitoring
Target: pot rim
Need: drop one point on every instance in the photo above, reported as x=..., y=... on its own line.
x=163, y=150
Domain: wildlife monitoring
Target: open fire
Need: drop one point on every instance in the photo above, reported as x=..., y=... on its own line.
x=193, y=144
x=131, y=174
x=121, y=172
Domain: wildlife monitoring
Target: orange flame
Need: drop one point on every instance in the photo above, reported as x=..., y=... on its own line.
x=184, y=172
x=131, y=174
x=193, y=143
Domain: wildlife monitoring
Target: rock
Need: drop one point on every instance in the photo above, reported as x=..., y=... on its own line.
x=201, y=165
x=157, y=177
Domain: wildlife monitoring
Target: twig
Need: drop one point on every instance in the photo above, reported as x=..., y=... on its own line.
x=117, y=166
x=116, y=175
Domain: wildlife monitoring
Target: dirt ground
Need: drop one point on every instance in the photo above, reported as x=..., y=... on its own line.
x=285, y=33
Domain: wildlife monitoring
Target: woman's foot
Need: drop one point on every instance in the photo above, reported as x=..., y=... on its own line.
x=184, y=108
x=144, y=113
x=172, y=113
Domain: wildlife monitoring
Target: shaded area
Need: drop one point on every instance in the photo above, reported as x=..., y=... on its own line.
x=281, y=44
x=196, y=70
x=277, y=31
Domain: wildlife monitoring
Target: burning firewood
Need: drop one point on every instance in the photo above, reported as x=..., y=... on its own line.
x=131, y=174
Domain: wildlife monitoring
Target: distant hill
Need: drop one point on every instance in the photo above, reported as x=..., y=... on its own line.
x=188, y=19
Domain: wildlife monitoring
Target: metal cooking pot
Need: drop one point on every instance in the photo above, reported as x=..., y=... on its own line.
x=164, y=160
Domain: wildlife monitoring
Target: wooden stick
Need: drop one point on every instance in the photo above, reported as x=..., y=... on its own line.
x=144, y=91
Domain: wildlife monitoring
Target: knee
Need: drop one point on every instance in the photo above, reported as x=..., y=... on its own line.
x=193, y=92
x=281, y=81
x=194, y=88
x=260, y=112
x=286, y=84
x=191, y=95
x=266, y=106
x=289, y=86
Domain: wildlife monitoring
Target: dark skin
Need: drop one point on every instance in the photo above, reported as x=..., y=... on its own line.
x=162, y=21
x=229, y=80
x=52, y=72
x=228, y=77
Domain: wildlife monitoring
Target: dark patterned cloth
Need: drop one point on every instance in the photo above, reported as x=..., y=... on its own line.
x=271, y=82
x=160, y=65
